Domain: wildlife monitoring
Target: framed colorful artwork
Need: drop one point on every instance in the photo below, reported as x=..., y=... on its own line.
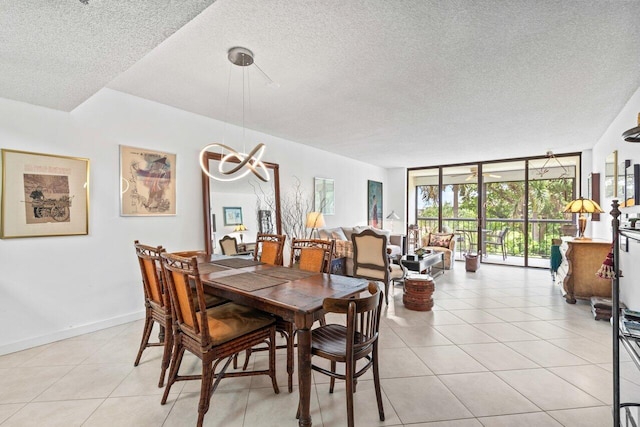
x=43, y=195
x=324, y=196
x=374, y=204
x=232, y=216
x=147, y=182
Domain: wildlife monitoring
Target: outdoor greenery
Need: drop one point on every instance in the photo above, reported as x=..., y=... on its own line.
x=504, y=206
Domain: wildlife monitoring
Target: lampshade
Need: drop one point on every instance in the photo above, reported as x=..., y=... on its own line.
x=315, y=220
x=393, y=215
x=240, y=227
x=582, y=206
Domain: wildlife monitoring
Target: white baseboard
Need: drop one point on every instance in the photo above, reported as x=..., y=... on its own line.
x=69, y=333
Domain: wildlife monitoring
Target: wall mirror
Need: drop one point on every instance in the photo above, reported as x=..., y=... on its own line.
x=611, y=175
x=259, y=202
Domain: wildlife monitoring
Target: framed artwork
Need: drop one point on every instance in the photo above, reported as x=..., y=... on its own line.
x=632, y=185
x=43, y=195
x=374, y=204
x=611, y=175
x=232, y=216
x=324, y=196
x=265, y=225
x=147, y=182
x=593, y=192
x=621, y=176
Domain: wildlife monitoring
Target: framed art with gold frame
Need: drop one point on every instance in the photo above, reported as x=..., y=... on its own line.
x=43, y=195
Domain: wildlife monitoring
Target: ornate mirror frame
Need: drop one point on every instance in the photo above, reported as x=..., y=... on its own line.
x=274, y=168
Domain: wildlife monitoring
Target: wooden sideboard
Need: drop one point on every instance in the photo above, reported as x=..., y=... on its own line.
x=584, y=258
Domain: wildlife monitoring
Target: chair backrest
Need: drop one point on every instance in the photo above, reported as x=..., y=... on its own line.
x=503, y=233
x=370, y=257
x=312, y=254
x=190, y=315
x=363, y=317
x=269, y=248
x=229, y=245
x=151, y=270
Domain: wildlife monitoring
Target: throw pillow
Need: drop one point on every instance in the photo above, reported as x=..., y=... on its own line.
x=442, y=240
x=338, y=234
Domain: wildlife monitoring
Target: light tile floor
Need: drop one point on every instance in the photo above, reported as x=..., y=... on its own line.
x=500, y=348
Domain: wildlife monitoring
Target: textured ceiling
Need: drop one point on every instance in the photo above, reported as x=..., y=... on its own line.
x=389, y=82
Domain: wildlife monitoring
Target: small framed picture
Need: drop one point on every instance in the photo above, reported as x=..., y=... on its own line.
x=232, y=216
x=43, y=195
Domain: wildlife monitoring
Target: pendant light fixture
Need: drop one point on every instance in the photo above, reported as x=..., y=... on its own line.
x=633, y=134
x=234, y=164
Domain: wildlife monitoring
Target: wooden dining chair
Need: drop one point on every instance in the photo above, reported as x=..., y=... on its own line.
x=269, y=248
x=312, y=254
x=357, y=339
x=214, y=335
x=157, y=304
x=371, y=260
x=228, y=245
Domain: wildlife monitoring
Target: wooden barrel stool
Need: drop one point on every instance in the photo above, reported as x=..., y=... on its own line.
x=418, y=292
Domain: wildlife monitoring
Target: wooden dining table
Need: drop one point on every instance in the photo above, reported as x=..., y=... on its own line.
x=295, y=295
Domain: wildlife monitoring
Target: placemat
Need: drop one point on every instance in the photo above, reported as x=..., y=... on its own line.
x=206, y=268
x=236, y=262
x=286, y=273
x=249, y=281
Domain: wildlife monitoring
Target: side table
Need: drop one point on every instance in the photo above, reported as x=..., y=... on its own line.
x=418, y=292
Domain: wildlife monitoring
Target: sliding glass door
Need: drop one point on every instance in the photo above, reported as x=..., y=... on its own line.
x=509, y=211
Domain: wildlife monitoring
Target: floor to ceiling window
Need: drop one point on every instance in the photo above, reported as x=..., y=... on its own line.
x=508, y=211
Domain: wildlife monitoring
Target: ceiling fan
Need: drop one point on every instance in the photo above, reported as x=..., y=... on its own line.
x=474, y=174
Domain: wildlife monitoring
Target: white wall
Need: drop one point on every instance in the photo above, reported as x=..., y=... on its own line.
x=610, y=141
x=55, y=287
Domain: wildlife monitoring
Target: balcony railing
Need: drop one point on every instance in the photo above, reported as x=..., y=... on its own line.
x=541, y=233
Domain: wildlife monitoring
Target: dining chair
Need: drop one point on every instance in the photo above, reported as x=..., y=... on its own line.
x=228, y=245
x=214, y=335
x=371, y=260
x=497, y=239
x=349, y=343
x=269, y=248
x=157, y=304
x=312, y=254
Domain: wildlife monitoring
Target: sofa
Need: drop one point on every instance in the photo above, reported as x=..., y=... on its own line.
x=344, y=246
x=441, y=242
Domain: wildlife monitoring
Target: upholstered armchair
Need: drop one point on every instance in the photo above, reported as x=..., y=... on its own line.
x=441, y=242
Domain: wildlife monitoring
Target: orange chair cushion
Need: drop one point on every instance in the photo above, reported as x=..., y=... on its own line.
x=231, y=320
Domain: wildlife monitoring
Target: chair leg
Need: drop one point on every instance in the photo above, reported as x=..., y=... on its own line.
x=205, y=390
x=146, y=333
x=386, y=292
x=246, y=359
x=349, y=369
x=290, y=337
x=272, y=361
x=376, y=381
x=166, y=355
x=332, y=381
x=178, y=352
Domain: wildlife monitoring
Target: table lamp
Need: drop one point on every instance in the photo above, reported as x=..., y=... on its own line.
x=582, y=206
x=240, y=228
x=314, y=220
x=393, y=216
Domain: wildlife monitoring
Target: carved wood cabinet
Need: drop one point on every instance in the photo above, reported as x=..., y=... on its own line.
x=584, y=258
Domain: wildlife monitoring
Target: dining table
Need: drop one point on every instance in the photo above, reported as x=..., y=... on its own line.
x=295, y=295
